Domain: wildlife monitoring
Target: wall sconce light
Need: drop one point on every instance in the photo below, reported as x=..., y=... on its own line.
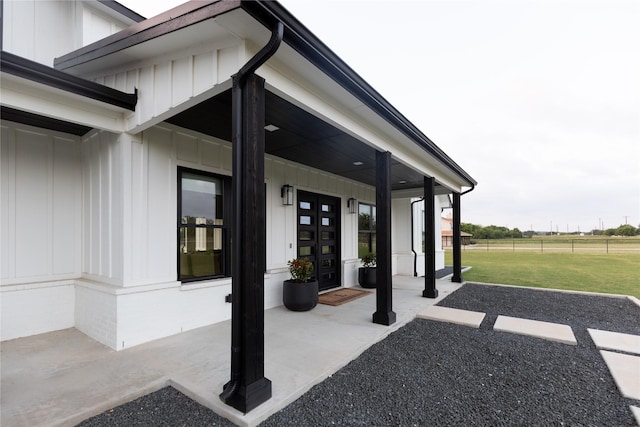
x=352, y=204
x=286, y=192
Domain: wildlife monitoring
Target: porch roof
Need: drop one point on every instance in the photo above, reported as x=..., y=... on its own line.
x=305, y=44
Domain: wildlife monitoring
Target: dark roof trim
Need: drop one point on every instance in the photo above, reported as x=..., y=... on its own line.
x=296, y=35
x=37, y=120
x=123, y=10
x=34, y=71
x=315, y=51
x=174, y=19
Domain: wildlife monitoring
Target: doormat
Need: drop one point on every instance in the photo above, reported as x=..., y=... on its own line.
x=341, y=296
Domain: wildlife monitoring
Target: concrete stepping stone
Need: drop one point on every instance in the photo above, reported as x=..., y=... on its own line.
x=535, y=328
x=605, y=340
x=636, y=413
x=625, y=370
x=453, y=315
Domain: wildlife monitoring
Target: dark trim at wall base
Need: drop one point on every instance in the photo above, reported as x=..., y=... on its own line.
x=39, y=73
x=18, y=116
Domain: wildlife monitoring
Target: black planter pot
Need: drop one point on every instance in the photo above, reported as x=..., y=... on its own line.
x=367, y=277
x=299, y=296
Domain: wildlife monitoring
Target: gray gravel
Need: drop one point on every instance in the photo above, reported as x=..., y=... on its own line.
x=439, y=374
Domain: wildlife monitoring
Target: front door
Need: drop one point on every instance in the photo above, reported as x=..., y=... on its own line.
x=319, y=236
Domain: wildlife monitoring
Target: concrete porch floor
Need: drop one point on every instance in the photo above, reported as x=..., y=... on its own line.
x=63, y=377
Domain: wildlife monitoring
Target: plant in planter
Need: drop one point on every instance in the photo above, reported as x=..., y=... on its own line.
x=300, y=293
x=367, y=273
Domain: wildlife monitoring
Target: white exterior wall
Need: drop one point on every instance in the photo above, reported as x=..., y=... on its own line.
x=43, y=30
x=40, y=229
x=93, y=223
x=130, y=240
x=401, y=234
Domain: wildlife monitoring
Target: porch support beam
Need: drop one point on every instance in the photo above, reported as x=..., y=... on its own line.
x=384, y=314
x=248, y=387
x=430, y=290
x=457, y=252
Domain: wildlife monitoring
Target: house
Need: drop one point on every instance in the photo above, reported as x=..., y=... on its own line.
x=447, y=232
x=157, y=174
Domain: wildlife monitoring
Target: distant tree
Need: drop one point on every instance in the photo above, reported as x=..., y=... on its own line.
x=626, y=230
x=515, y=233
x=597, y=232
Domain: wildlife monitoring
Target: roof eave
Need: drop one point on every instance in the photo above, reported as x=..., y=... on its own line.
x=34, y=71
x=314, y=50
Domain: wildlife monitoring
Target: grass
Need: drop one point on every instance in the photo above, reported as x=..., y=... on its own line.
x=604, y=273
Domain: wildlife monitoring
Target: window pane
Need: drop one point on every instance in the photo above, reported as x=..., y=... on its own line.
x=326, y=222
x=305, y=220
x=328, y=262
x=328, y=235
x=201, y=200
x=327, y=249
x=327, y=208
x=305, y=235
x=200, y=252
x=305, y=250
x=305, y=205
x=363, y=244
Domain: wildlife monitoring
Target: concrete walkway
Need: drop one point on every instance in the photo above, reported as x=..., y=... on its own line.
x=64, y=377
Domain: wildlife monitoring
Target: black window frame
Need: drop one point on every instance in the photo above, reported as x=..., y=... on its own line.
x=225, y=227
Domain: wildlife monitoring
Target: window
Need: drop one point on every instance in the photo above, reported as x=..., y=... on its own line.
x=203, y=237
x=366, y=229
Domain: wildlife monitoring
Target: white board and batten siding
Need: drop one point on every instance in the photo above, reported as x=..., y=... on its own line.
x=40, y=226
x=27, y=20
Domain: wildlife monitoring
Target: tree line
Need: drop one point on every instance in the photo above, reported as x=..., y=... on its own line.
x=499, y=232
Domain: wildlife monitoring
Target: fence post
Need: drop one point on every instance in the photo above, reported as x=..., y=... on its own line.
x=541, y=246
x=487, y=245
x=571, y=245
x=514, y=245
x=607, y=245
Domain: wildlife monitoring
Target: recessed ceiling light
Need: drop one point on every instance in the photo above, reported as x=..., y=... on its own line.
x=402, y=181
x=271, y=128
x=358, y=163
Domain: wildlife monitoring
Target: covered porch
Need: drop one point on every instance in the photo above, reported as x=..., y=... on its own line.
x=64, y=377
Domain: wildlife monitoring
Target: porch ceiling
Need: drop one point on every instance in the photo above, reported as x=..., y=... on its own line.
x=301, y=138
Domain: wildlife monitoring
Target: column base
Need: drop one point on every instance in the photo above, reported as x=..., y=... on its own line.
x=430, y=293
x=384, y=318
x=250, y=396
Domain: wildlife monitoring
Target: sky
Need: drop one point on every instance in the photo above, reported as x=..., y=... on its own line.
x=538, y=100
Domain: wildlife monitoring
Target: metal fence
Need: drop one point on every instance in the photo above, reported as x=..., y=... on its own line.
x=611, y=245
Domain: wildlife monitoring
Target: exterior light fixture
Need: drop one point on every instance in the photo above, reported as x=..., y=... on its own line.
x=352, y=204
x=271, y=128
x=286, y=192
x=358, y=163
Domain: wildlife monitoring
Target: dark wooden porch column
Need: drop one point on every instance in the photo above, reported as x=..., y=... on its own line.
x=457, y=253
x=430, y=290
x=248, y=387
x=384, y=314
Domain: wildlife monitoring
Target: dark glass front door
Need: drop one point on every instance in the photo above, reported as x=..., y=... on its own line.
x=319, y=236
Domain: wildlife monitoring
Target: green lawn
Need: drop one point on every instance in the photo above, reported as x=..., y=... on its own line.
x=606, y=273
